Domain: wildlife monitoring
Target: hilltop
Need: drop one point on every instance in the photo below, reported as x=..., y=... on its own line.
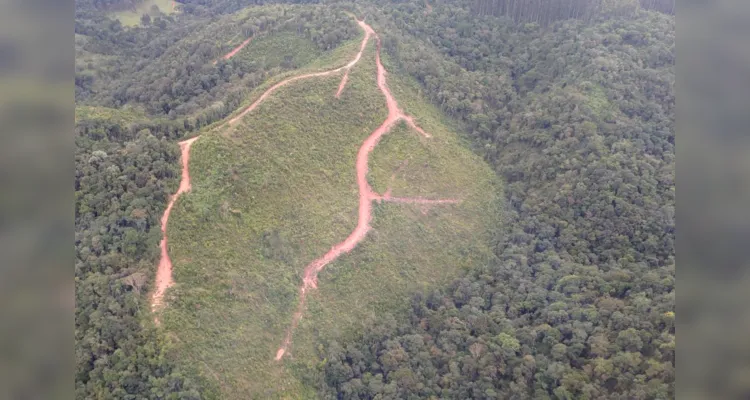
x=271, y=194
x=439, y=199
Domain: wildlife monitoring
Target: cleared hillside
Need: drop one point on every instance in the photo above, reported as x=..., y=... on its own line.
x=492, y=218
x=276, y=191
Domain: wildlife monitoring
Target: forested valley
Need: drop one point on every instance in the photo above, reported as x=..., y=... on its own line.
x=571, y=103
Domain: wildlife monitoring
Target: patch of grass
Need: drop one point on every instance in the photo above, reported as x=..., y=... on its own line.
x=597, y=101
x=133, y=17
x=329, y=60
x=276, y=192
x=280, y=49
x=122, y=116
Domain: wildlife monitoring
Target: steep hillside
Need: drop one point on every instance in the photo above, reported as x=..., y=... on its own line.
x=444, y=199
x=578, y=120
x=271, y=194
x=176, y=68
x=127, y=169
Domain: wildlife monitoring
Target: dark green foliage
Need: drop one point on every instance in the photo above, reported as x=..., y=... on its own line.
x=176, y=69
x=101, y=5
x=215, y=7
x=544, y=12
x=123, y=178
x=579, y=302
x=127, y=165
x=574, y=111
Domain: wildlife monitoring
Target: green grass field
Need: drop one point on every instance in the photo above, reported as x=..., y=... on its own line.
x=276, y=192
x=133, y=18
x=277, y=49
x=122, y=116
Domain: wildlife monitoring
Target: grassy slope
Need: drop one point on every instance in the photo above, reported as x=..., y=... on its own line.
x=271, y=51
x=122, y=116
x=278, y=191
x=133, y=18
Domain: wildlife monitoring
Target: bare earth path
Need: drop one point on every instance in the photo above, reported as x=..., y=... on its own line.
x=237, y=49
x=366, y=194
x=164, y=272
x=345, y=68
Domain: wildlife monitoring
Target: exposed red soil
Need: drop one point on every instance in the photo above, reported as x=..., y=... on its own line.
x=236, y=49
x=273, y=88
x=164, y=272
x=366, y=194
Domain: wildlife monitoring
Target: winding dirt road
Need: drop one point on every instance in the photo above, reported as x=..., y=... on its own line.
x=345, y=68
x=366, y=194
x=237, y=49
x=164, y=272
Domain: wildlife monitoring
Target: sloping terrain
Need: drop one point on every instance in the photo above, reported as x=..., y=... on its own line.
x=578, y=119
x=131, y=16
x=332, y=236
x=275, y=191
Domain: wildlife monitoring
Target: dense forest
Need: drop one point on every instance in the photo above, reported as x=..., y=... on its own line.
x=138, y=90
x=544, y=12
x=578, y=119
x=570, y=101
x=124, y=173
x=160, y=70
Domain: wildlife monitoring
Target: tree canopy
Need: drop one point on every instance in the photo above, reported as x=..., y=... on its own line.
x=578, y=119
x=570, y=101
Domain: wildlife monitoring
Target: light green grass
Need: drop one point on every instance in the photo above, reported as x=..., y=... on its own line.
x=276, y=192
x=596, y=100
x=133, y=18
x=122, y=116
x=267, y=52
x=328, y=60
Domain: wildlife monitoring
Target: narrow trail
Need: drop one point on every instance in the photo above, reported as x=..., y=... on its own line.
x=164, y=272
x=366, y=194
x=345, y=68
x=428, y=8
x=235, y=50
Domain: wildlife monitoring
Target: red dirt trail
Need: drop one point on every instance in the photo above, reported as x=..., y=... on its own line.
x=366, y=194
x=164, y=272
x=345, y=68
x=237, y=49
